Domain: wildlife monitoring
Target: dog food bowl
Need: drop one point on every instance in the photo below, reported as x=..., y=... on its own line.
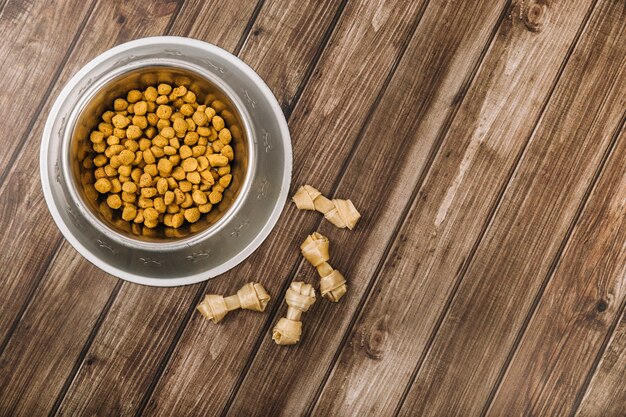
x=261, y=170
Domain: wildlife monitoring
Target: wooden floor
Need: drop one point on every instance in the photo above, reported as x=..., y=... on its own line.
x=484, y=142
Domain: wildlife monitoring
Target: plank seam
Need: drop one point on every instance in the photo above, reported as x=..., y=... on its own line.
x=298, y=265
x=607, y=338
x=55, y=78
x=311, y=68
x=246, y=31
x=432, y=154
x=170, y=351
x=596, y=363
x=170, y=24
x=83, y=353
x=30, y=297
x=557, y=259
x=490, y=217
x=552, y=269
x=404, y=214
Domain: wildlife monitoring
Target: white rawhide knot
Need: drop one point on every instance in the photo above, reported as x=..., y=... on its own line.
x=341, y=213
x=299, y=298
x=251, y=296
x=315, y=249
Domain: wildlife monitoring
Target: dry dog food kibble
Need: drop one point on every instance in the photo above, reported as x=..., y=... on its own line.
x=159, y=157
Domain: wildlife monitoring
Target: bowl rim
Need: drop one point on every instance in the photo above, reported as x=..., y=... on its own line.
x=168, y=41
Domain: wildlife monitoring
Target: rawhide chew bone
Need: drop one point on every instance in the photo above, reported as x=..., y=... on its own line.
x=315, y=249
x=299, y=298
x=251, y=296
x=341, y=213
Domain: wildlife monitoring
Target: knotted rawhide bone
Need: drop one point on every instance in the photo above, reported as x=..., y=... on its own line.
x=341, y=213
x=251, y=296
x=315, y=249
x=299, y=298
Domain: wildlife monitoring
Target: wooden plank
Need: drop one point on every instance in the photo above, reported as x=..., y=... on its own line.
x=606, y=394
x=24, y=215
x=96, y=386
x=34, y=49
x=525, y=237
x=206, y=20
x=579, y=306
x=417, y=106
x=121, y=361
x=209, y=359
x=275, y=50
x=483, y=145
x=43, y=349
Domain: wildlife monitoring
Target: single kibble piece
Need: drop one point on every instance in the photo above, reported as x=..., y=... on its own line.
x=217, y=160
x=120, y=121
x=134, y=96
x=251, y=296
x=120, y=104
x=165, y=167
x=164, y=89
x=190, y=164
x=315, y=249
x=218, y=123
x=103, y=185
x=341, y=213
x=299, y=298
x=129, y=213
x=114, y=201
x=192, y=215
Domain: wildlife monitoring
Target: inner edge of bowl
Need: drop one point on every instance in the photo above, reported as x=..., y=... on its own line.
x=173, y=244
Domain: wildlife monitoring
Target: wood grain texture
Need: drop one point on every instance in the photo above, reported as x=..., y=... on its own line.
x=31, y=55
x=476, y=156
x=285, y=42
x=413, y=111
x=525, y=237
x=197, y=382
x=606, y=395
x=210, y=20
x=147, y=353
x=44, y=347
x=122, y=360
x=479, y=141
x=580, y=303
x=24, y=216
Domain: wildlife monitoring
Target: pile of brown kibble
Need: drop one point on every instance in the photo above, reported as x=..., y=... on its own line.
x=159, y=157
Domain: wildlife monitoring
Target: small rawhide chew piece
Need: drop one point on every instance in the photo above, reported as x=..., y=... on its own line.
x=251, y=296
x=315, y=249
x=299, y=298
x=341, y=213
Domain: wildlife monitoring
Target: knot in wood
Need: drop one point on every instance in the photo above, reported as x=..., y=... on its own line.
x=534, y=15
x=601, y=305
x=373, y=339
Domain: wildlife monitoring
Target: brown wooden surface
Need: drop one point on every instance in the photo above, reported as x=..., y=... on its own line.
x=484, y=144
